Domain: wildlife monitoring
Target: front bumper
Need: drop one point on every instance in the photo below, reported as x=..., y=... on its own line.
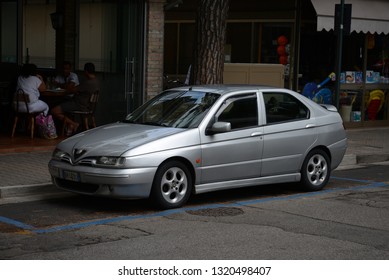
x=111, y=182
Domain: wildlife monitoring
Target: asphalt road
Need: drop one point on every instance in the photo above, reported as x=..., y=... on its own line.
x=347, y=220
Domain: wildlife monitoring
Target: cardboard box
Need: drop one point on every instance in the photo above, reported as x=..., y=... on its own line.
x=376, y=77
x=356, y=116
x=358, y=77
x=369, y=77
x=350, y=77
x=342, y=78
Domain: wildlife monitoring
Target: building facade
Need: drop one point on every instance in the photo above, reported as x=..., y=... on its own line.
x=300, y=34
x=135, y=43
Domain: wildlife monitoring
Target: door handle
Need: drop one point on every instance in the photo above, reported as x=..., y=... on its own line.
x=255, y=134
x=311, y=125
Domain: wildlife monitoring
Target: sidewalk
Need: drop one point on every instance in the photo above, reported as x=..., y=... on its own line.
x=26, y=174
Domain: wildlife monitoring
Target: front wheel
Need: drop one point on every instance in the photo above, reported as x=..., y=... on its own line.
x=172, y=185
x=316, y=170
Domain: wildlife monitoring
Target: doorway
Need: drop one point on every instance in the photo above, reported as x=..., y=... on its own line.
x=111, y=34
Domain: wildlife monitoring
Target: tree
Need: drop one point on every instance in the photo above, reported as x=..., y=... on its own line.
x=211, y=25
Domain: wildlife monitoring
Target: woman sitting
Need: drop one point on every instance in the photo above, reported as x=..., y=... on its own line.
x=32, y=84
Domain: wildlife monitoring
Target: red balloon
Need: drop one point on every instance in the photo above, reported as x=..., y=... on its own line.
x=281, y=50
x=282, y=40
x=283, y=59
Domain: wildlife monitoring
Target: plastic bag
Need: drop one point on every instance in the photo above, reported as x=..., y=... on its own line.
x=46, y=126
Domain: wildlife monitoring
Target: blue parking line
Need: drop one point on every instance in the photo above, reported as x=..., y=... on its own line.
x=181, y=210
x=15, y=223
x=126, y=218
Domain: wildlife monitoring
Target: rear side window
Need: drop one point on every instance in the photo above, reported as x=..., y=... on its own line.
x=240, y=111
x=283, y=107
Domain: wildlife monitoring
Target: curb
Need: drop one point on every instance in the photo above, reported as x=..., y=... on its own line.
x=350, y=159
x=372, y=158
x=26, y=193
x=25, y=190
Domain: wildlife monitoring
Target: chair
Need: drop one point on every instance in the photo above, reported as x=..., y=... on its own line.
x=21, y=96
x=375, y=103
x=85, y=116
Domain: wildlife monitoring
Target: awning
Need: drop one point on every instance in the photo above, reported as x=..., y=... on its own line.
x=366, y=15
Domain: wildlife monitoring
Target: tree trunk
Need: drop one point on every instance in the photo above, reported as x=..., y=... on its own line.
x=211, y=24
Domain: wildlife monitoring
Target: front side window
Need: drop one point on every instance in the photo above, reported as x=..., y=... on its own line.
x=240, y=111
x=283, y=107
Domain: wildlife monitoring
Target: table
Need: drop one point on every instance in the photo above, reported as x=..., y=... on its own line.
x=54, y=92
x=53, y=97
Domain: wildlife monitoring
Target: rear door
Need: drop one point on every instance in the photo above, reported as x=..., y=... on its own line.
x=288, y=134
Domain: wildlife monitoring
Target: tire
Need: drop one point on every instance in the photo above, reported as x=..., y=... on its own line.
x=316, y=170
x=172, y=185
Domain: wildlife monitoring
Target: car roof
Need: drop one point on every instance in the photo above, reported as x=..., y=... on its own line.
x=224, y=88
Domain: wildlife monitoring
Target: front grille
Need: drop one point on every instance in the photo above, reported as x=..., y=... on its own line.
x=76, y=186
x=85, y=161
x=66, y=159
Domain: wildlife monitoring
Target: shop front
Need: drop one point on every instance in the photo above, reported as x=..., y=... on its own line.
x=300, y=35
x=110, y=34
x=364, y=78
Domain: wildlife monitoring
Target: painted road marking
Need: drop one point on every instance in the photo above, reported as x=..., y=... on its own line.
x=165, y=213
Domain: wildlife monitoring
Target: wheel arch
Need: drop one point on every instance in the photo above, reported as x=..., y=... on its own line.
x=319, y=147
x=187, y=163
x=315, y=180
x=322, y=148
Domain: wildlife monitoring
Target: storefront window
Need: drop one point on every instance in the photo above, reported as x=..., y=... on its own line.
x=38, y=33
x=97, y=40
x=246, y=42
x=171, y=48
x=275, y=43
x=365, y=78
x=377, y=78
x=111, y=36
x=179, y=42
x=240, y=43
x=8, y=31
x=378, y=58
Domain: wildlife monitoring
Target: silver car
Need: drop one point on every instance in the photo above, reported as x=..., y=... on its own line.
x=198, y=139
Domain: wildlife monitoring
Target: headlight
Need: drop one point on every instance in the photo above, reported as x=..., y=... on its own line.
x=111, y=161
x=58, y=154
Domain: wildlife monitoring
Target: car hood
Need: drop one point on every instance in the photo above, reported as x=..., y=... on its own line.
x=115, y=139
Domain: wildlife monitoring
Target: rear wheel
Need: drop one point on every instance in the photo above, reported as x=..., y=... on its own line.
x=316, y=170
x=172, y=185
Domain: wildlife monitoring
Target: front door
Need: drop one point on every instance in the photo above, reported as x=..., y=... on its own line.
x=234, y=155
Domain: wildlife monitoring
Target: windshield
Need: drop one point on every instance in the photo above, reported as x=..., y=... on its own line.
x=174, y=108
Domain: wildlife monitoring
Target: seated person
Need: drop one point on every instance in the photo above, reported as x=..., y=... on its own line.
x=67, y=80
x=80, y=100
x=32, y=84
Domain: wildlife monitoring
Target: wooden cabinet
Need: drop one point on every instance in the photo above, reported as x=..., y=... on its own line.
x=249, y=73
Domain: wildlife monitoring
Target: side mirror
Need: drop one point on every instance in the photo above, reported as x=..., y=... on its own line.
x=219, y=127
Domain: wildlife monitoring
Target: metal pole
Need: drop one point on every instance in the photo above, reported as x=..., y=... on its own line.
x=339, y=54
